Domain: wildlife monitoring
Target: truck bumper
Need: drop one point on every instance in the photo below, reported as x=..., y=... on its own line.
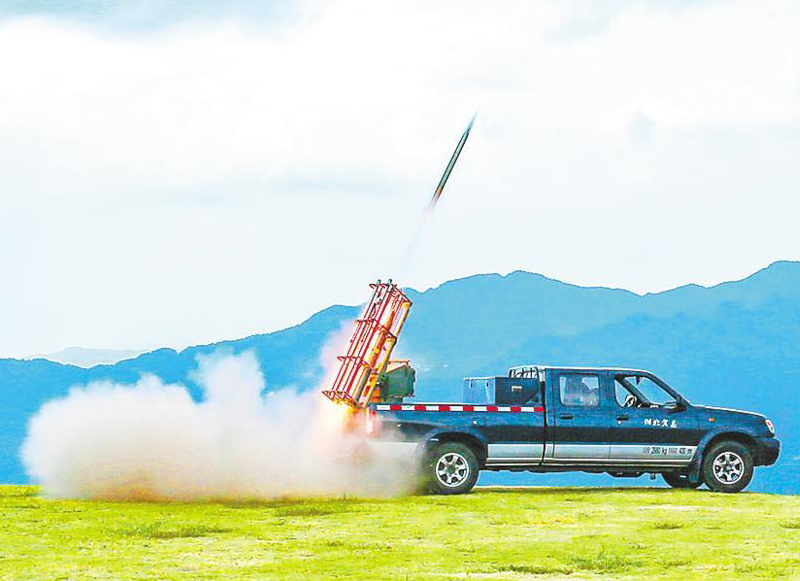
x=768, y=451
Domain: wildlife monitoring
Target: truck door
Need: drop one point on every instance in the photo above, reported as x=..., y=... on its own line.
x=650, y=427
x=580, y=418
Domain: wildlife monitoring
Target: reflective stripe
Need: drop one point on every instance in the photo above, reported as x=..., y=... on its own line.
x=441, y=407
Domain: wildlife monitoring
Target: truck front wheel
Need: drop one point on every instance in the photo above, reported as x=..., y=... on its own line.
x=452, y=468
x=727, y=467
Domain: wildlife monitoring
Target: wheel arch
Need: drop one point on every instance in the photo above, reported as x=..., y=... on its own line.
x=711, y=438
x=473, y=441
x=741, y=437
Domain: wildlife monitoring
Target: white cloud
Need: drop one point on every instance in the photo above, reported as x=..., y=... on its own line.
x=134, y=16
x=214, y=179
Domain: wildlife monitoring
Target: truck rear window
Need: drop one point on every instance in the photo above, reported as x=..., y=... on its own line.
x=579, y=389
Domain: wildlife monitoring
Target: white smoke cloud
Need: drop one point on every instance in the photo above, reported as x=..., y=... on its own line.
x=150, y=440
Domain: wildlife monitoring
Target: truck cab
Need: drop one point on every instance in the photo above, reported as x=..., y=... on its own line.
x=624, y=422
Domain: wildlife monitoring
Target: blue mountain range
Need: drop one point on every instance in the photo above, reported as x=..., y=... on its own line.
x=736, y=344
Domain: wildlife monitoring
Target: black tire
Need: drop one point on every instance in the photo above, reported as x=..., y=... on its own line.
x=451, y=468
x=728, y=467
x=676, y=480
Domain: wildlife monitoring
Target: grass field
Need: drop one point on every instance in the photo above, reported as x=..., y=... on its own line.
x=490, y=534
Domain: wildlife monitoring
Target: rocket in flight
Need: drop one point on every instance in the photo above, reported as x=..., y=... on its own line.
x=453, y=159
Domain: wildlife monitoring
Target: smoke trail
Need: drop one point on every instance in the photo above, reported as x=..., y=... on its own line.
x=152, y=441
x=409, y=255
x=412, y=247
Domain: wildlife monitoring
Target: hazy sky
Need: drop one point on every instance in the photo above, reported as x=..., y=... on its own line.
x=176, y=172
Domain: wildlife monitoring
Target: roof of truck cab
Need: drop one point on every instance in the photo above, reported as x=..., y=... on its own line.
x=568, y=368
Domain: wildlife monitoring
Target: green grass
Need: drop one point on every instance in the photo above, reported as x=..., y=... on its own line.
x=669, y=525
x=534, y=533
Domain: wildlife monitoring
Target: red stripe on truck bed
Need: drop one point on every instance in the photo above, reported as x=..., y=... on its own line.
x=452, y=407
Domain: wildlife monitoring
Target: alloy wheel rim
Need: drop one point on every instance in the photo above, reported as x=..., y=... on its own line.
x=728, y=467
x=452, y=469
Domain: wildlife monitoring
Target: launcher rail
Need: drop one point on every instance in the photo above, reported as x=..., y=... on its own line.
x=374, y=337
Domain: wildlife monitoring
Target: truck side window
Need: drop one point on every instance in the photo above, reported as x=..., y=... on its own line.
x=624, y=396
x=579, y=389
x=641, y=392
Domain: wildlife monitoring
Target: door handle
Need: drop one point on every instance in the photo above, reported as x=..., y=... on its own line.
x=566, y=416
x=622, y=418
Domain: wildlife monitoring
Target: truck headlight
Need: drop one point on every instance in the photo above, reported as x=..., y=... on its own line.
x=770, y=427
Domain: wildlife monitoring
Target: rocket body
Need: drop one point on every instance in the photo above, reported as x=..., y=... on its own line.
x=451, y=164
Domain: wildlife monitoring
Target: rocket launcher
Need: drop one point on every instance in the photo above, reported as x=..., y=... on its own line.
x=365, y=372
x=365, y=369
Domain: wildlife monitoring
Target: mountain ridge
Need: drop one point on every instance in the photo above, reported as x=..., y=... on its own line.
x=713, y=345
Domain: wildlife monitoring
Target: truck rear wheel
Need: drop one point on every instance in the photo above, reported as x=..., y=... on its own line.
x=676, y=480
x=728, y=467
x=452, y=468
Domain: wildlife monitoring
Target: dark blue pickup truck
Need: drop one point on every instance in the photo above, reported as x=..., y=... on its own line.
x=624, y=422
